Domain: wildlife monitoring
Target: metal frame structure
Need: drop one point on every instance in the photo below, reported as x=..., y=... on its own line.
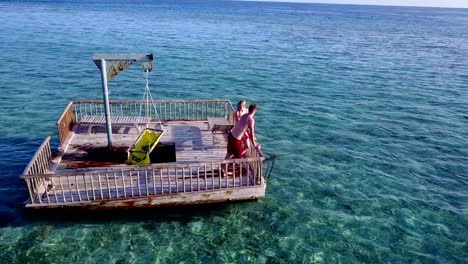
x=110, y=65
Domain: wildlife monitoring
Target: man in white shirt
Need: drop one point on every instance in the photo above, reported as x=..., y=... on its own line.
x=245, y=125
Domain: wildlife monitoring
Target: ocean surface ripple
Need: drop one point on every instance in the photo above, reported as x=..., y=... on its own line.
x=379, y=94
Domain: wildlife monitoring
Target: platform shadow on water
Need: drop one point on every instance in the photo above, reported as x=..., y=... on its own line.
x=183, y=214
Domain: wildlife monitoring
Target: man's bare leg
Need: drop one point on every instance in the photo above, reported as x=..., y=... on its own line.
x=224, y=166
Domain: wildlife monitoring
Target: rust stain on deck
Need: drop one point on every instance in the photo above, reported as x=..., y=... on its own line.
x=128, y=204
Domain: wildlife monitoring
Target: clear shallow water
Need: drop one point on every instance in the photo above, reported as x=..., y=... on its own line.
x=381, y=93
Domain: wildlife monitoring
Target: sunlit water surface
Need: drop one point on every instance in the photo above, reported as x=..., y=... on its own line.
x=380, y=94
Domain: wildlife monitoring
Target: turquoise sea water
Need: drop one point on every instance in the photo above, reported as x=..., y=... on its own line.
x=379, y=93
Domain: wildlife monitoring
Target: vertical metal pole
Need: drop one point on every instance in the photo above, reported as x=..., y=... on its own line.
x=105, y=94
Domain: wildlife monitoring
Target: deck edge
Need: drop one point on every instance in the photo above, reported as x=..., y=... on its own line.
x=202, y=197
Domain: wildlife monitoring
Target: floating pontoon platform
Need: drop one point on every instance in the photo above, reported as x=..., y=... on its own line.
x=85, y=173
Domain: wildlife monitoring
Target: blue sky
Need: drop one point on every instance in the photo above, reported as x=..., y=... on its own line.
x=434, y=3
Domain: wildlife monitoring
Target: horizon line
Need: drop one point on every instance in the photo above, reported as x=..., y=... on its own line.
x=353, y=4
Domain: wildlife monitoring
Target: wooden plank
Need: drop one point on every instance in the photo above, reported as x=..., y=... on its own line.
x=138, y=182
x=226, y=176
x=61, y=186
x=146, y=182
x=92, y=186
x=169, y=180
x=93, y=119
x=191, y=177
x=216, y=196
x=69, y=186
x=234, y=174
x=108, y=187
x=212, y=176
x=206, y=182
x=28, y=185
x=100, y=186
x=115, y=183
x=154, y=181
x=183, y=179
x=45, y=190
x=198, y=178
x=220, y=174
x=161, y=180
x=86, y=187
x=131, y=183
x=176, y=180
x=123, y=183
x=240, y=168
x=77, y=189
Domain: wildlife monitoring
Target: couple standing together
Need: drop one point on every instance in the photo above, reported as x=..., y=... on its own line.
x=243, y=131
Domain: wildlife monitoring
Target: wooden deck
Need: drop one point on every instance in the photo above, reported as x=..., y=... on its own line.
x=83, y=175
x=193, y=140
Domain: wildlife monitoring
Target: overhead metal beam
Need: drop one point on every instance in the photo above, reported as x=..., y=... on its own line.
x=118, y=62
x=131, y=57
x=110, y=65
